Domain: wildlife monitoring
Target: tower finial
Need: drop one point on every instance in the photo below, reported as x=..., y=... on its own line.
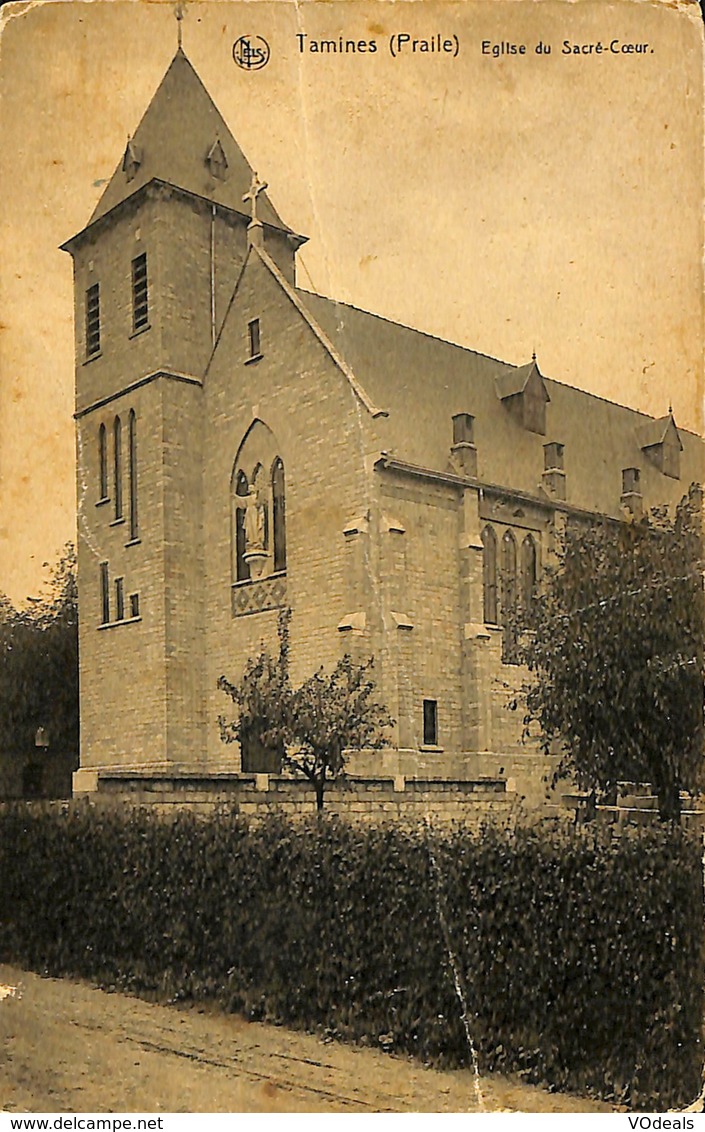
x=179, y=12
x=533, y=355
x=255, y=189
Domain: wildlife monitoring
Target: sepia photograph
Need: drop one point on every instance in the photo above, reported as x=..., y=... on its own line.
x=352, y=621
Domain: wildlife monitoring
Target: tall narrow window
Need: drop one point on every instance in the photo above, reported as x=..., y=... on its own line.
x=104, y=594
x=430, y=723
x=528, y=571
x=509, y=572
x=279, y=514
x=103, y=462
x=119, y=599
x=93, y=320
x=117, y=466
x=489, y=576
x=134, y=605
x=140, y=294
x=509, y=597
x=254, y=338
x=242, y=570
x=132, y=457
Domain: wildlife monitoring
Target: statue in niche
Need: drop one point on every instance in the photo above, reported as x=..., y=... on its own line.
x=254, y=520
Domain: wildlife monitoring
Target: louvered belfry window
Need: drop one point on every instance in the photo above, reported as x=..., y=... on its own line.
x=140, y=293
x=93, y=320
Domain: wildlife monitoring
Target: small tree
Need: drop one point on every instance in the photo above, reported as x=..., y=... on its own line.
x=614, y=642
x=331, y=714
x=310, y=727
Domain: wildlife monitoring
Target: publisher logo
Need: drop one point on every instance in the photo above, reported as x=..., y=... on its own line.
x=251, y=52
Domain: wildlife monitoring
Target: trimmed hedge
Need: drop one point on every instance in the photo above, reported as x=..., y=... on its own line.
x=579, y=963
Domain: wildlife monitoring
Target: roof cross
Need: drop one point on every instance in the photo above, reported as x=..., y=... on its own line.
x=256, y=188
x=179, y=12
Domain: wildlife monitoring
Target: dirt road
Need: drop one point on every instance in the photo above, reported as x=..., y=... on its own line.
x=67, y=1047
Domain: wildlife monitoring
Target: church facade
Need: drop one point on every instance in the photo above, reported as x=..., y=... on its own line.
x=245, y=446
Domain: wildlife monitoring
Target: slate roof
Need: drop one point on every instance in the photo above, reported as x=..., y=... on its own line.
x=176, y=134
x=423, y=381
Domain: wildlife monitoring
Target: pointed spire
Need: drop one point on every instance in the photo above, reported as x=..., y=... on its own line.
x=173, y=143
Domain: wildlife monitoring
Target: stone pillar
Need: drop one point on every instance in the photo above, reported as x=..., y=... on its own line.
x=475, y=637
x=398, y=628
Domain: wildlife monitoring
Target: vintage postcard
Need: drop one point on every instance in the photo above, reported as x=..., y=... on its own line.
x=326, y=326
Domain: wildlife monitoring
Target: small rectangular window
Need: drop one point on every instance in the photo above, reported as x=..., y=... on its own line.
x=93, y=320
x=119, y=599
x=430, y=723
x=104, y=594
x=134, y=605
x=254, y=337
x=140, y=296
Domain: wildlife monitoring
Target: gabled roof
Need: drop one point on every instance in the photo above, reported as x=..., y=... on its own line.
x=655, y=432
x=422, y=381
x=178, y=131
x=515, y=379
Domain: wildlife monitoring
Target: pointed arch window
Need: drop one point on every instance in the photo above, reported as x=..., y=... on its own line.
x=132, y=454
x=102, y=464
x=117, y=466
x=242, y=570
x=279, y=514
x=489, y=576
x=529, y=571
x=509, y=597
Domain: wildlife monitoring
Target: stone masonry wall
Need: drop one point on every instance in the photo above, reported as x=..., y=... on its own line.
x=320, y=430
x=366, y=800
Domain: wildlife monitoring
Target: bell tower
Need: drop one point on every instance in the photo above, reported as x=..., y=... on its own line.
x=154, y=272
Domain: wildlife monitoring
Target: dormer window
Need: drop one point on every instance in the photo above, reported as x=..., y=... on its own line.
x=132, y=160
x=661, y=444
x=216, y=161
x=523, y=392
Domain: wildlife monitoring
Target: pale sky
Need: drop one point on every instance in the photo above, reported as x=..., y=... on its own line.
x=516, y=203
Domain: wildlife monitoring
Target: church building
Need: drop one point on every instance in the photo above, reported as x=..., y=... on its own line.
x=246, y=446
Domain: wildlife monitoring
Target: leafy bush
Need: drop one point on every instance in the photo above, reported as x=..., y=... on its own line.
x=579, y=963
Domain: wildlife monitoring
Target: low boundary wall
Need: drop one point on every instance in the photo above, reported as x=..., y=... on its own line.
x=359, y=799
